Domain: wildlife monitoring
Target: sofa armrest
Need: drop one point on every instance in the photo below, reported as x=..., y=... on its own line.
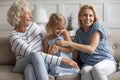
x=118, y=68
x=118, y=65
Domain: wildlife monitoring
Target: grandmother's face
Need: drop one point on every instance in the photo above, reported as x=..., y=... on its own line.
x=25, y=17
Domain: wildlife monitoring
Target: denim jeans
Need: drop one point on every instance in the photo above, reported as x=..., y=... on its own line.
x=32, y=66
x=28, y=72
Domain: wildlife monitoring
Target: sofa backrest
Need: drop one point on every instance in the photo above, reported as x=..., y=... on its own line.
x=6, y=55
x=114, y=45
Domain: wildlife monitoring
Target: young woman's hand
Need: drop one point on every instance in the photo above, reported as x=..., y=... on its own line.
x=53, y=49
x=63, y=43
x=70, y=63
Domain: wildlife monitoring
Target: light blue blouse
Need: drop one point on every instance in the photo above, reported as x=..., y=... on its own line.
x=101, y=51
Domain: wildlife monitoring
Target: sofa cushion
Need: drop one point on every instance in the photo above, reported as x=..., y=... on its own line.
x=114, y=76
x=6, y=55
x=6, y=74
x=69, y=77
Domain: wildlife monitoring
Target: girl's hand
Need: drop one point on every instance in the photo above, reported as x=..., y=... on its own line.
x=53, y=49
x=70, y=63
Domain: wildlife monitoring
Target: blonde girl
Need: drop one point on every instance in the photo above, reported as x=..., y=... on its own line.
x=56, y=31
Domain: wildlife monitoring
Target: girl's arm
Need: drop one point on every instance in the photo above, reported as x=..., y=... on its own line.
x=45, y=45
x=66, y=35
x=66, y=38
x=49, y=49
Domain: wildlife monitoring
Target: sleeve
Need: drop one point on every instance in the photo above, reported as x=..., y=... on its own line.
x=76, y=36
x=51, y=58
x=97, y=27
x=20, y=46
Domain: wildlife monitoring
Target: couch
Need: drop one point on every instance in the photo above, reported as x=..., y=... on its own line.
x=7, y=61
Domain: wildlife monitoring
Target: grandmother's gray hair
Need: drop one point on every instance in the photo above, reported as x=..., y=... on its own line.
x=15, y=11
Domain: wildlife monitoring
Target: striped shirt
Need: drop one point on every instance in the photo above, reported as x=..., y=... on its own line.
x=29, y=42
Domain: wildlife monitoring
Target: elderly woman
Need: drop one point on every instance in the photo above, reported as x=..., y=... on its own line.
x=26, y=43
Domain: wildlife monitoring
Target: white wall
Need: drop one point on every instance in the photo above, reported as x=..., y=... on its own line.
x=108, y=11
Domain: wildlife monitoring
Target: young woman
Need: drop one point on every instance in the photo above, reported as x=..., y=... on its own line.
x=56, y=30
x=91, y=45
x=26, y=43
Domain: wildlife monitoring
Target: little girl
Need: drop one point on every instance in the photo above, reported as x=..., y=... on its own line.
x=56, y=31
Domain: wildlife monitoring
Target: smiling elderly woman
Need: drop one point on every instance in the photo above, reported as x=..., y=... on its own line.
x=26, y=43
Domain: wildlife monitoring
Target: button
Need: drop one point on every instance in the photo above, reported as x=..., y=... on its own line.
x=113, y=47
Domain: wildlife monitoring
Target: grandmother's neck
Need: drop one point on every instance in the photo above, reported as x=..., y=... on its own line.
x=20, y=29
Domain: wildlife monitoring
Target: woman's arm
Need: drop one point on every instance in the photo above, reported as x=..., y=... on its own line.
x=64, y=49
x=75, y=55
x=85, y=48
x=57, y=60
x=20, y=46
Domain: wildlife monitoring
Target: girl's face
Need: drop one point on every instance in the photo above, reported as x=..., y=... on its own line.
x=87, y=18
x=25, y=17
x=58, y=30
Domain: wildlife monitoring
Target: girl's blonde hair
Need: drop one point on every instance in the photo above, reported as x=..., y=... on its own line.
x=56, y=19
x=87, y=6
x=15, y=11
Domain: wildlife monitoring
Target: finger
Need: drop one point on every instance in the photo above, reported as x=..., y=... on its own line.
x=58, y=42
x=50, y=47
x=55, y=47
x=74, y=65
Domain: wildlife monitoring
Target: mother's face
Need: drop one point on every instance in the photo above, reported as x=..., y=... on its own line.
x=25, y=17
x=87, y=17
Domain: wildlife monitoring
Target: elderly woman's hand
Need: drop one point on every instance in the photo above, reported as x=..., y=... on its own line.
x=70, y=63
x=53, y=49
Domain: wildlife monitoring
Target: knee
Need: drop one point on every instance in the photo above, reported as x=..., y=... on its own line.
x=36, y=56
x=95, y=70
x=37, y=59
x=86, y=70
x=28, y=68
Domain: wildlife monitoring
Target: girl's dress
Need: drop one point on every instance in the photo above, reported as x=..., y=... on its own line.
x=62, y=69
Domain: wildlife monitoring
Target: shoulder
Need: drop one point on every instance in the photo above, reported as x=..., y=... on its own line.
x=78, y=31
x=33, y=24
x=98, y=27
x=46, y=38
x=13, y=34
